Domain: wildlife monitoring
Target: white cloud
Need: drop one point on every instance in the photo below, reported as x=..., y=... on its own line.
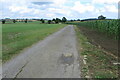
x=82, y=8
x=62, y=11
x=16, y=8
x=105, y=1
x=99, y=11
x=24, y=4
x=24, y=10
x=58, y=8
x=50, y=15
x=60, y=2
x=111, y=8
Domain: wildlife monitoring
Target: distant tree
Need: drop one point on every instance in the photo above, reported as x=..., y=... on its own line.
x=71, y=20
x=57, y=20
x=26, y=20
x=14, y=21
x=74, y=20
x=101, y=17
x=78, y=20
x=53, y=19
x=3, y=21
x=49, y=21
x=43, y=21
x=64, y=19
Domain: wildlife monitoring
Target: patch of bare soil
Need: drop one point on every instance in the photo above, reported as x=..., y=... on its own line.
x=108, y=43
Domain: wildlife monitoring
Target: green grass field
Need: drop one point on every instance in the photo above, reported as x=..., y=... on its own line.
x=18, y=36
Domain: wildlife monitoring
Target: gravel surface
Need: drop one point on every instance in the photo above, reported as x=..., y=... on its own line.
x=54, y=57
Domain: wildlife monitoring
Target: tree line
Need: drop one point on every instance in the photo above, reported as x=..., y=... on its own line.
x=54, y=20
x=57, y=20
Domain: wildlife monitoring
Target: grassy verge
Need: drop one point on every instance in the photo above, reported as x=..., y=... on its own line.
x=98, y=63
x=20, y=35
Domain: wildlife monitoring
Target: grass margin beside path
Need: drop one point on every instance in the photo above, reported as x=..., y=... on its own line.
x=95, y=63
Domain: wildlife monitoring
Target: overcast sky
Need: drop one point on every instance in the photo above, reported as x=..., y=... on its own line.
x=71, y=9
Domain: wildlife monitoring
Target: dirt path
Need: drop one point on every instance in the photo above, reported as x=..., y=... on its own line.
x=54, y=57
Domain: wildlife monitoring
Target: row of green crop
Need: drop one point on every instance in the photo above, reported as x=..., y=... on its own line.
x=111, y=27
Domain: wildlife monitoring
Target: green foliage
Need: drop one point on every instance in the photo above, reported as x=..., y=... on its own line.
x=26, y=20
x=101, y=17
x=64, y=19
x=49, y=21
x=110, y=27
x=42, y=20
x=3, y=21
x=78, y=20
x=14, y=21
x=53, y=19
x=57, y=20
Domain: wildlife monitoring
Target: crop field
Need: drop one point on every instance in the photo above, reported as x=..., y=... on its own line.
x=98, y=40
x=110, y=27
x=18, y=36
